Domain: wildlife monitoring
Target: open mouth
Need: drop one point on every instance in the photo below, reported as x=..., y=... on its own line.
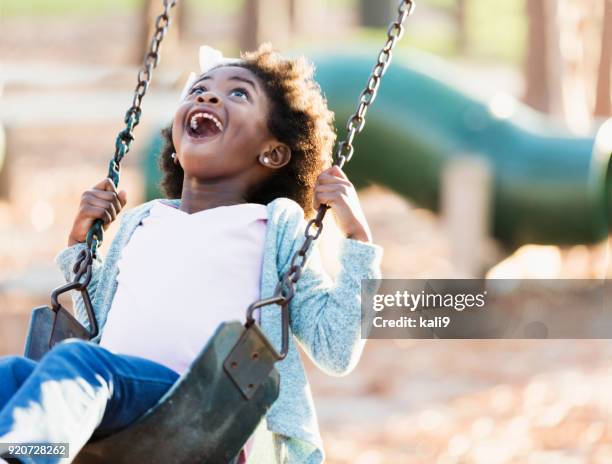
x=204, y=125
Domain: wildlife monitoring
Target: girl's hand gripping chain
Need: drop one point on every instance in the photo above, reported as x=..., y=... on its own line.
x=334, y=189
x=100, y=202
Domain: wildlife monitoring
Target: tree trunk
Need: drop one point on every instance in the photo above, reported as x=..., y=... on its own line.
x=306, y=17
x=151, y=9
x=249, y=36
x=543, y=63
x=603, y=102
x=265, y=21
x=377, y=13
x=462, y=35
x=5, y=164
x=537, y=92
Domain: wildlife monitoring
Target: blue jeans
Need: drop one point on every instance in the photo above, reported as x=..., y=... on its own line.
x=78, y=389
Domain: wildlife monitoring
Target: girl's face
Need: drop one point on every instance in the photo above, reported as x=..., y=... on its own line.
x=220, y=128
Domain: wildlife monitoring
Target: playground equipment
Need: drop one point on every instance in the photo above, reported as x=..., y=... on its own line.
x=550, y=187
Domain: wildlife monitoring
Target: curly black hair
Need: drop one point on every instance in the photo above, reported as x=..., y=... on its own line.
x=298, y=117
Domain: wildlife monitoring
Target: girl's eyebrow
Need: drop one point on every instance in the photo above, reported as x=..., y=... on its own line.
x=233, y=78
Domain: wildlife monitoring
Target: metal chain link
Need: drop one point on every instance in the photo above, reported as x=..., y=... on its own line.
x=285, y=290
x=125, y=137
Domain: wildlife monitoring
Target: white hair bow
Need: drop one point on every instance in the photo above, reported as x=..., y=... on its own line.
x=209, y=58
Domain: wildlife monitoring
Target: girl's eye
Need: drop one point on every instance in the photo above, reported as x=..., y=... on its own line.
x=240, y=92
x=197, y=89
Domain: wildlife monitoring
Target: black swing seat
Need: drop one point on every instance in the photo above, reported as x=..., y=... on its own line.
x=208, y=414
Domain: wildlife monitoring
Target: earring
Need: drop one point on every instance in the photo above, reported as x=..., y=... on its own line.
x=173, y=156
x=266, y=160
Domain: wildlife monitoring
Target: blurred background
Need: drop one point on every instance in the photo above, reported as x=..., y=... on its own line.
x=486, y=153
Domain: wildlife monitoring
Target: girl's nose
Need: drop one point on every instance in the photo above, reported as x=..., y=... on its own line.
x=208, y=97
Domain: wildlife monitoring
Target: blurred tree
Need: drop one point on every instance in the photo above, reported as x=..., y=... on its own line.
x=293, y=14
x=462, y=35
x=151, y=9
x=543, y=66
x=580, y=22
x=5, y=175
x=306, y=16
x=249, y=31
x=603, y=101
x=377, y=13
x=265, y=21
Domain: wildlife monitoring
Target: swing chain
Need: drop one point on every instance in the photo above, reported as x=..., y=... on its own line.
x=355, y=125
x=125, y=137
x=356, y=122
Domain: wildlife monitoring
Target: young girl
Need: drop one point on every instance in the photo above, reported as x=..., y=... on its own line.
x=246, y=163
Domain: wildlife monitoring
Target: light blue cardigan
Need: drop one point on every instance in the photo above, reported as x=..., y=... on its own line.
x=325, y=316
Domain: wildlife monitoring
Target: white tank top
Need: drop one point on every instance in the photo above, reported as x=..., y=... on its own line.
x=180, y=276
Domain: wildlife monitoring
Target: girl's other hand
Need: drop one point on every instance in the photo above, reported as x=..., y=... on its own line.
x=100, y=202
x=334, y=189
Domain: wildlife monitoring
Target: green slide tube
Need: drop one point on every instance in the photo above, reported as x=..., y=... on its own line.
x=549, y=186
